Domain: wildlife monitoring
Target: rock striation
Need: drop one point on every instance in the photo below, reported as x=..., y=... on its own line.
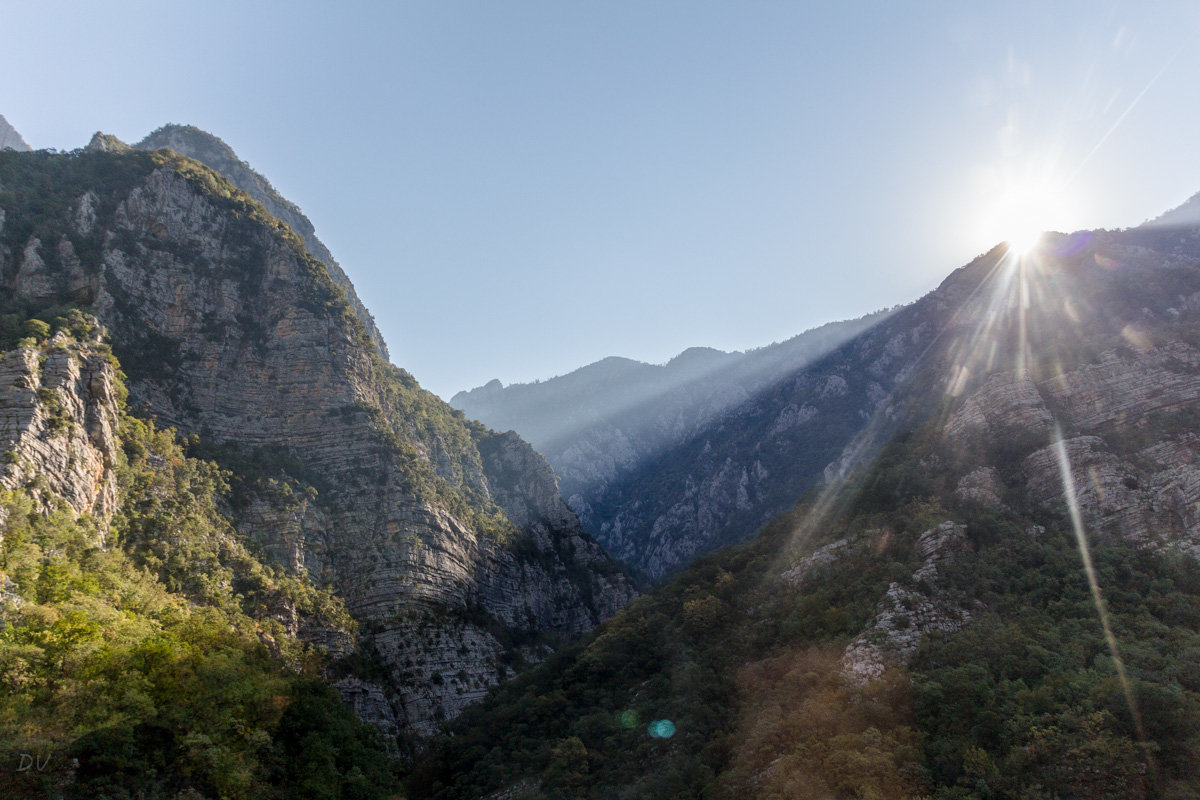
x=58, y=418
x=194, y=143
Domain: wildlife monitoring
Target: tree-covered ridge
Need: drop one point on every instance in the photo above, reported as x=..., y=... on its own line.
x=153, y=656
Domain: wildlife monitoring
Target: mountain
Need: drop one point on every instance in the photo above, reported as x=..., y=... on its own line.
x=190, y=141
x=995, y=594
x=10, y=139
x=447, y=544
x=606, y=429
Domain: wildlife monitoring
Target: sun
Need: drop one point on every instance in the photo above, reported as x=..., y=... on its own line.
x=1023, y=240
x=1022, y=210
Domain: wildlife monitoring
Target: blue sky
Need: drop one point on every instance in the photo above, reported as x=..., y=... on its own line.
x=518, y=188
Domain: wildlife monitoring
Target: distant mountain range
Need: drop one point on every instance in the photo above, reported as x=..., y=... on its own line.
x=605, y=426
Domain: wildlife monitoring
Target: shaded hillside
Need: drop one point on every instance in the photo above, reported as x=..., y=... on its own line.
x=447, y=542
x=614, y=419
x=1001, y=601
x=757, y=458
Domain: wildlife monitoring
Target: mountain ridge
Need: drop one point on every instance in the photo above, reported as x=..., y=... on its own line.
x=188, y=140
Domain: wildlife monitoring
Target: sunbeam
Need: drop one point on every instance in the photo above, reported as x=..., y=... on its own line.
x=1085, y=554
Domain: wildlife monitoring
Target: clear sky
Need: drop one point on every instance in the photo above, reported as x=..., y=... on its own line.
x=520, y=188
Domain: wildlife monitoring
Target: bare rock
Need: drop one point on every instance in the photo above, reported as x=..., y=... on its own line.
x=907, y=613
x=58, y=417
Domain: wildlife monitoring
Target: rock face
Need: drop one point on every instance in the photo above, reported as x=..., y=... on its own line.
x=910, y=611
x=447, y=542
x=58, y=416
x=10, y=139
x=208, y=149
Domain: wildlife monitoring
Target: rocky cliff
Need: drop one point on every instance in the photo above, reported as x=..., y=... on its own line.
x=58, y=417
x=194, y=143
x=447, y=542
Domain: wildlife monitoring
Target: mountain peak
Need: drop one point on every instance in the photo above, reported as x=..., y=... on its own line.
x=10, y=139
x=106, y=143
x=212, y=151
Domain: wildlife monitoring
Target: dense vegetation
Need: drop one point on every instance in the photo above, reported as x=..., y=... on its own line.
x=1025, y=702
x=156, y=657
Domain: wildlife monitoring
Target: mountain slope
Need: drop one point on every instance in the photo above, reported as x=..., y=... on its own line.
x=604, y=423
x=1001, y=601
x=447, y=542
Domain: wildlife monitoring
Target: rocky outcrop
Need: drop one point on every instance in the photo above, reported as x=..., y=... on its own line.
x=208, y=149
x=908, y=612
x=982, y=486
x=10, y=139
x=1119, y=387
x=1004, y=401
x=813, y=563
x=58, y=417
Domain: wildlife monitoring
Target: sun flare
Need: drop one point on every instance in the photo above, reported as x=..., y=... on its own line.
x=1022, y=210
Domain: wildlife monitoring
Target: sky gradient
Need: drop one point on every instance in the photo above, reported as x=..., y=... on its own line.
x=518, y=189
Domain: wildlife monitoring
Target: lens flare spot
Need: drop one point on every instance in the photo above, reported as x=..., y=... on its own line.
x=661, y=729
x=628, y=719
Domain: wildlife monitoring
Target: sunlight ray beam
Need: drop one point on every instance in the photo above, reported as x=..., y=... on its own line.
x=1112, y=129
x=1085, y=554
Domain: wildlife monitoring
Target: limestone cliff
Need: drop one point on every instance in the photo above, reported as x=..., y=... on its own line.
x=448, y=543
x=58, y=415
x=194, y=143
